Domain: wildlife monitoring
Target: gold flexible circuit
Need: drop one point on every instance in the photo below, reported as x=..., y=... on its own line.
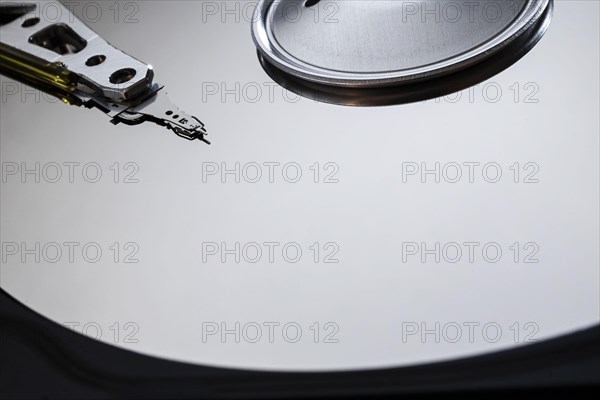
x=52, y=78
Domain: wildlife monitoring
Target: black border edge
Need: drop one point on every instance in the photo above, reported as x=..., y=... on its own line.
x=42, y=359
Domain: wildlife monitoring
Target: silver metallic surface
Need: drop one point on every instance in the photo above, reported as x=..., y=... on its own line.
x=383, y=42
x=169, y=197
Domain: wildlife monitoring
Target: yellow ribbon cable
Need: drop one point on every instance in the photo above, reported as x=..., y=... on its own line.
x=52, y=78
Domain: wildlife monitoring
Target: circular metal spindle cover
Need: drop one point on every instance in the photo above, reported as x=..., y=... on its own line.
x=383, y=43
